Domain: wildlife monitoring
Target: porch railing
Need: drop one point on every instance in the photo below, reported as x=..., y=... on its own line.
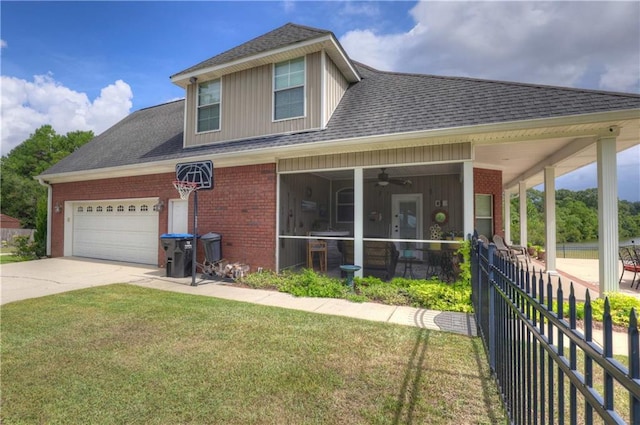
x=547, y=369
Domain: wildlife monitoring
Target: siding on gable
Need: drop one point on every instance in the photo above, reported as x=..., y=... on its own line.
x=247, y=110
x=418, y=154
x=336, y=86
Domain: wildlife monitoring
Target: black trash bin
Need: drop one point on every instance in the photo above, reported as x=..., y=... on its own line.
x=212, y=249
x=178, y=253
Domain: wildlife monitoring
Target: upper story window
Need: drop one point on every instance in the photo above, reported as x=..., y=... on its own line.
x=209, y=106
x=288, y=89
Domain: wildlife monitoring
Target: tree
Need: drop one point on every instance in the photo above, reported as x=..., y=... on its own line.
x=19, y=191
x=576, y=217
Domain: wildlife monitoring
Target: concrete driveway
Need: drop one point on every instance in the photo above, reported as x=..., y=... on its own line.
x=31, y=279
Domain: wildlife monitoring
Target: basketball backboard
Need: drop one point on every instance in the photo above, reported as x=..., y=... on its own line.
x=200, y=172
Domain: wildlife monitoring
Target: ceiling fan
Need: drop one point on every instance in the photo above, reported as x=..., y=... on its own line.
x=384, y=180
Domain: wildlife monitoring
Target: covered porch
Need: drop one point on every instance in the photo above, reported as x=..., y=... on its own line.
x=422, y=193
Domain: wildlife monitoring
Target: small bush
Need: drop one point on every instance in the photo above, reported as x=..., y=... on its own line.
x=262, y=280
x=25, y=247
x=310, y=284
x=435, y=295
x=620, y=304
x=374, y=289
x=432, y=294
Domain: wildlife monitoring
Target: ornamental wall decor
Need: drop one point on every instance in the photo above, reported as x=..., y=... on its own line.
x=440, y=216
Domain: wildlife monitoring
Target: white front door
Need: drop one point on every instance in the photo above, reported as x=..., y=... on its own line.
x=407, y=221
x=178, y=216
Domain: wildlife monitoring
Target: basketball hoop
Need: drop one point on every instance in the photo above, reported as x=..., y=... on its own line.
x=184, y=188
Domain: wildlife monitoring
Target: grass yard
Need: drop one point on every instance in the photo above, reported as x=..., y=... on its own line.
x=10, y=258
x=125, y=354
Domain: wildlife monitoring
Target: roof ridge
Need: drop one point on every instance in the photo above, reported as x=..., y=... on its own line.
x=245, y=49
x=502, y=82
x=160, y=104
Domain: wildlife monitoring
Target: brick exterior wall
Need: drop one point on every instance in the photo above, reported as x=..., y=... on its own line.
x=489, y=182
x=241, y=207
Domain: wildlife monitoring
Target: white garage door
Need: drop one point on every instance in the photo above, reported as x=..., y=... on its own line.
x=122, y=230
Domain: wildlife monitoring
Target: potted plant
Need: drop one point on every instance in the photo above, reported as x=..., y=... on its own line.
x=542, y=255
x=531, y=249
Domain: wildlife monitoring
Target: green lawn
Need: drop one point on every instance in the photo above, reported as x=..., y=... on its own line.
x=126, y=354
x=9, y=258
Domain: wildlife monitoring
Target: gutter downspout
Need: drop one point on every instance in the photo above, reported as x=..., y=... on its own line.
x=49, y=203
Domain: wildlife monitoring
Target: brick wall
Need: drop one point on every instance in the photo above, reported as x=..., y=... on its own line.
x=489, y=182
x=241, y=207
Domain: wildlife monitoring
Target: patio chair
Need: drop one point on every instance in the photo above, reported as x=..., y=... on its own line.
x=319, y=248
x=512, y=253
x=484, y=239
x=630, y=263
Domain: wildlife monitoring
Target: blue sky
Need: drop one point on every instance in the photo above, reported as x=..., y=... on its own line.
x=86, y=65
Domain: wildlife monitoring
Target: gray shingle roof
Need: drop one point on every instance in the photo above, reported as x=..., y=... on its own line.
x=143, y=136
x=381, y=103
x=280, y=37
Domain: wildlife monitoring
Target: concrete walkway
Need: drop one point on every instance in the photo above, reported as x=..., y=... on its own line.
x=55, y=275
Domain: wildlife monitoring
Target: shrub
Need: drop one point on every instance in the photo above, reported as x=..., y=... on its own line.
x=25, y=247
x=465, y=266
x=262, y=280
x=436, y=295
x=620, y=304
x=310, y=284
x=373, y=289
x=432, y=294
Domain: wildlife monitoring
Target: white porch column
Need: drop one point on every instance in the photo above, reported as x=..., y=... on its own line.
x=467, y=198
x=506, y=203
x=607, y=214
x=550, y=218
x=358, y=218
x=522, y=189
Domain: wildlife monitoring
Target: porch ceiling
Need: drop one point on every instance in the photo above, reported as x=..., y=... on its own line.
x=525, y=160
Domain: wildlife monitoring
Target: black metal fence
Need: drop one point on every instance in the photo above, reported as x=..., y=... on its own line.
x=547, y=370
x=582, y=251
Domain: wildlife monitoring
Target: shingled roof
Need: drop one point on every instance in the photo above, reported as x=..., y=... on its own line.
x=381, y=103
x=286, y=35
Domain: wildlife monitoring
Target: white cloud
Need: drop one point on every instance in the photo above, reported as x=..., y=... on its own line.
x=586, y=44
x=27, y=105
x=3, y=44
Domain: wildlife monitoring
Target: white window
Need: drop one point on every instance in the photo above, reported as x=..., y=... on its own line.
x=209, y=106
x=484, y=215
x=288, y=89
x=345, y=205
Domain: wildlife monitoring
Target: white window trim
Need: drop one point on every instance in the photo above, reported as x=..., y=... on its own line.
x=489, y=217
x=273, y=92
x=197, y=106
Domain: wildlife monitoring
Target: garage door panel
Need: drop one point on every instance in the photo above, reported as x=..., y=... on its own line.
x=121, y=231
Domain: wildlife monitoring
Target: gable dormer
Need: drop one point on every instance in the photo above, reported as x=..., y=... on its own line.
x=288, y=80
